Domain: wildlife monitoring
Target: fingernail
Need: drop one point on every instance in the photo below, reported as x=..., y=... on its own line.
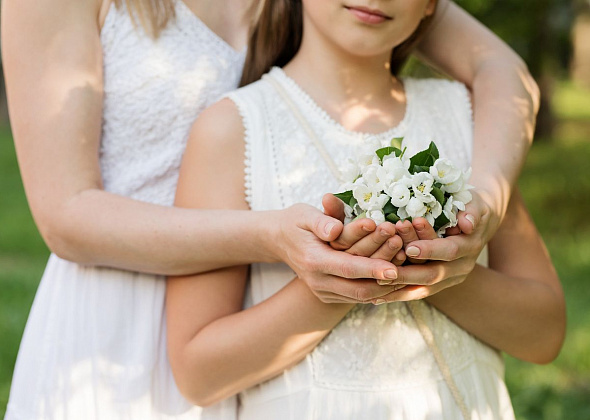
x=385, y=234
x=390, y=274
x=384, y=282
x=367, y=229
x=412, y=251
x=471, y=220
x=329, y=227
x=379, y=301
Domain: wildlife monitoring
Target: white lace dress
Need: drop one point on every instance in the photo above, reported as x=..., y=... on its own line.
x=375, y=364
x=94, y=345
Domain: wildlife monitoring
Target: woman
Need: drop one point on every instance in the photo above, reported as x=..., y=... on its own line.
x=113, y=107
x=283, y=140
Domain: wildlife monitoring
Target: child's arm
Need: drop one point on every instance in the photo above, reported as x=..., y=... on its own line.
x=215, y=349
x=516, y=305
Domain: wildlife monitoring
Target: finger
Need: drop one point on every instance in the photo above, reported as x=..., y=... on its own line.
x=407, y=232
x=324, y=227
x=352, y=291
x=423, y=229
x=341, y=264
x=432, y=272
x=352, y=233
x=389, y=249
x=447, y=249
x=333, y=206
x=410, y=293
x=399, y=258
x=452, y=231
x=469, y=219
x=368, y=245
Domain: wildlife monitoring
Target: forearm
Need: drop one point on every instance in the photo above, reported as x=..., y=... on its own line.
x=505, y=102
x=99, y=228
x=505, y=98
x=227, y=357
x=524, y=318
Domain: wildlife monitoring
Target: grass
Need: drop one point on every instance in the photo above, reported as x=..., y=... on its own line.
x=554, y=183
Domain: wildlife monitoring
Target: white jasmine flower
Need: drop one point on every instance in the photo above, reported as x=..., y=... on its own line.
x=445, y=172
x=415, y=208
x=399, y=193
x=450, y=212
x=368, y=159
x=422, y=186
x=433, y=210
x=350, y=170
x=395, y=167
x=369, y=197
x=377, y=216
x=376, y=177
x=402, y=213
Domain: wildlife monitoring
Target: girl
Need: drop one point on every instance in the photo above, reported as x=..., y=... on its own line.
x=100, y=110
x=273, y=144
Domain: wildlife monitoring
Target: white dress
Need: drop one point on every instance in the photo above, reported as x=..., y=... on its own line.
x=94, y=345
x=375, y=364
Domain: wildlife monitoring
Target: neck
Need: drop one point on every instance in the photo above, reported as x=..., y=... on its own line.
x=358, y=92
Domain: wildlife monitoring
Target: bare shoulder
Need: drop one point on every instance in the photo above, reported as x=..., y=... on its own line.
x=218, y=127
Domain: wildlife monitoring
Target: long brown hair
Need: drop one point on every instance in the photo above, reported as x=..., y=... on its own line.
x=276, y=38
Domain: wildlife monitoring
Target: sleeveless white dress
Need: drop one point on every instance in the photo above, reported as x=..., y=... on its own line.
x=375, y=364
x=94, y=347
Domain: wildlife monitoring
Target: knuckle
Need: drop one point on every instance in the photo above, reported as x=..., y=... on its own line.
x=452, y=251
x=361, y=295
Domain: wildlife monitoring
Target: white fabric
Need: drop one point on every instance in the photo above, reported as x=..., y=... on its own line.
x=94, y=347
x=374, y=364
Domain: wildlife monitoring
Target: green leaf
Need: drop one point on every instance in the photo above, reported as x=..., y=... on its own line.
x=424, y=159
x=392, y=217
x=439, y=195
x=389, y=208
x=345, y=196
x=440, y=221
x=386, y=151
x=397, y=142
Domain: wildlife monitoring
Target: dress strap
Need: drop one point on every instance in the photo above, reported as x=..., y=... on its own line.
x=413, y=306
x=305, y=125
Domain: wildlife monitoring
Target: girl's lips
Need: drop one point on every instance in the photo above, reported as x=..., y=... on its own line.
x=369, y=16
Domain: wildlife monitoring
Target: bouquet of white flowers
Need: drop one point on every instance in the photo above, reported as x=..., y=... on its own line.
x=385, y=185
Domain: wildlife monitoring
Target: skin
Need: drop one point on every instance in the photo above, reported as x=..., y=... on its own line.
x=505, y=102
x=214, y=347
x=54, y=76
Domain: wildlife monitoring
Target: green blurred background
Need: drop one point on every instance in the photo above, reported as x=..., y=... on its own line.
x=553, y=36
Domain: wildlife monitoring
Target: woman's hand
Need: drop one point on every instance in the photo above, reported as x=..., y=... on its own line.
x=333, y=276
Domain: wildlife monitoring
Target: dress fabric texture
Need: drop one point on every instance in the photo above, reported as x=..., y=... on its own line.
x=94, y=347
x=374, y=364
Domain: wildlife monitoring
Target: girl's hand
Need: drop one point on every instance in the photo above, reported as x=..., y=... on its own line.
x=477, y=224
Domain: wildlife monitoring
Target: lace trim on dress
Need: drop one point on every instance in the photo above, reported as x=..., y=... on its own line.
x=246, y=122
x=311, y=104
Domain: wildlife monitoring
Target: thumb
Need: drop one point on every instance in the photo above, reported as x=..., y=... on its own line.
x=324, y=227
x=333, y=206
x=468, y=220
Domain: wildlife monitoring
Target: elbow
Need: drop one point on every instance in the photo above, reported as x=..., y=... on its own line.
x=64, y=240
x=192, y=381
x=547, y=347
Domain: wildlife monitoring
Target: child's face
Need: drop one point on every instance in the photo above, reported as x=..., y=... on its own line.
x=365, y=28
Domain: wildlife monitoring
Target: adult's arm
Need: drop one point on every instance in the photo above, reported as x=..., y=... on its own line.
x=505, y=103
x=52, y=59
